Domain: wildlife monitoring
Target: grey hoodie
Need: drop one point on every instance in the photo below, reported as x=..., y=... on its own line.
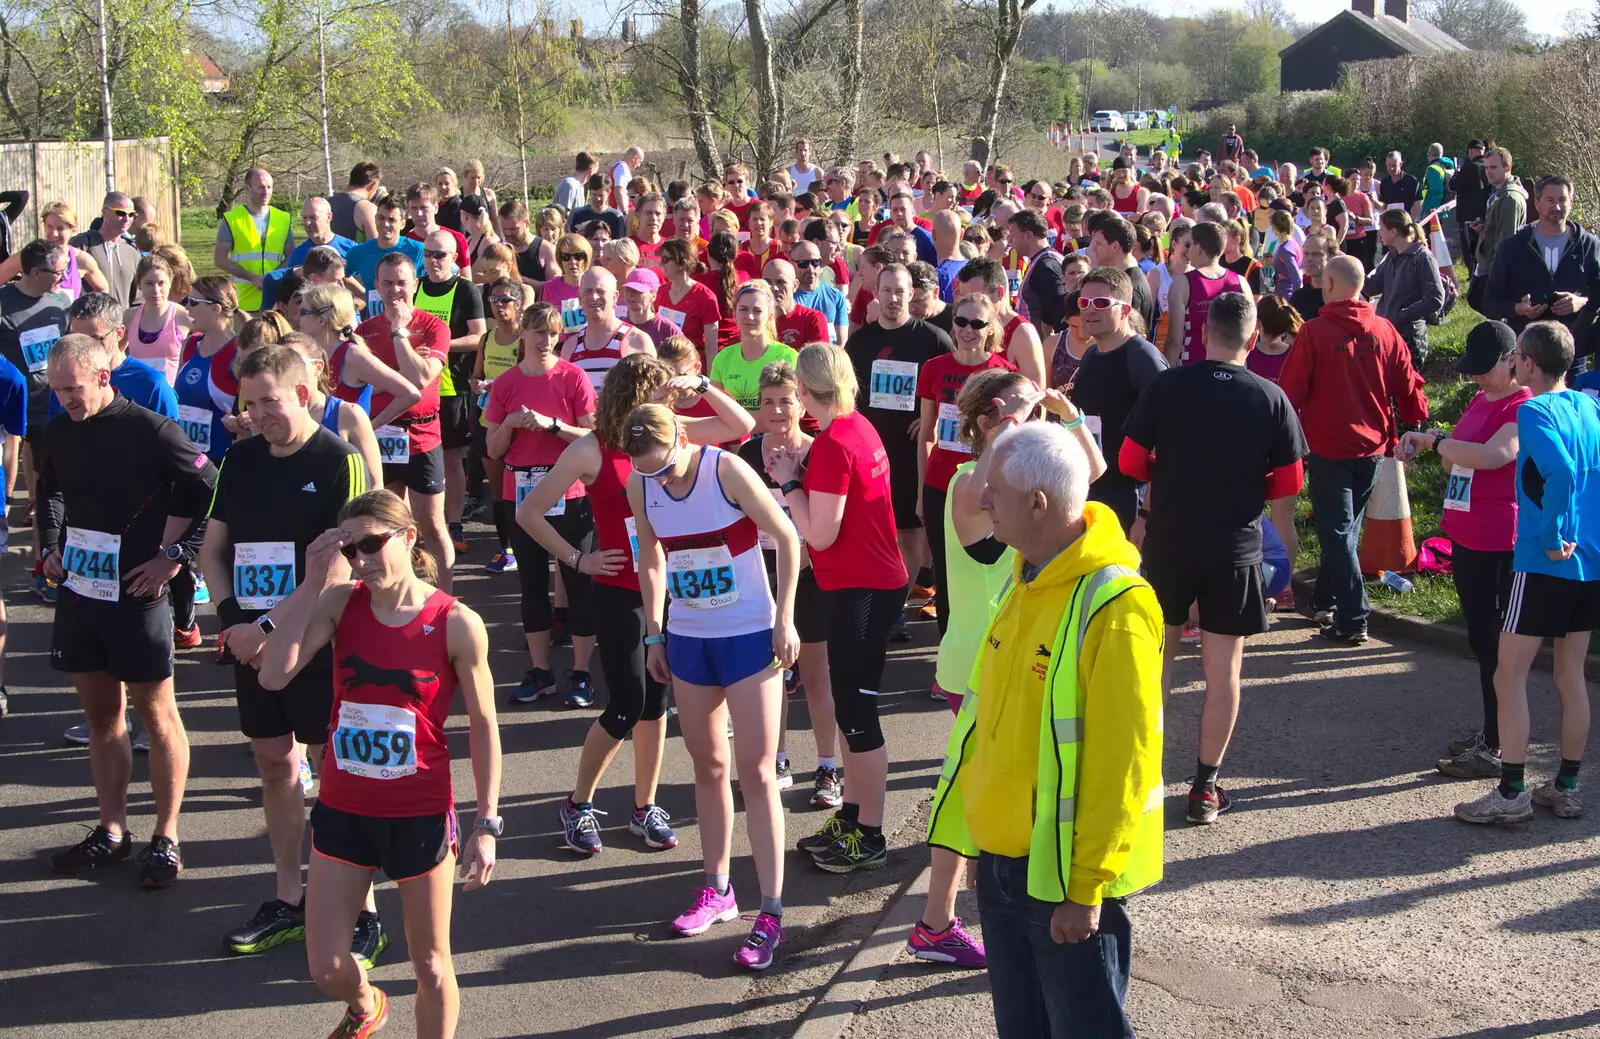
x=1508, y=210
x=1411, y=291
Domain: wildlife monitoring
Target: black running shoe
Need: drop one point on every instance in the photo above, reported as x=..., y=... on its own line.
x=275, y=923
x=97, y=849
x=162, y=863
x=855, y=850
x=369, y=940
x=1357, y=637
x=832, y=830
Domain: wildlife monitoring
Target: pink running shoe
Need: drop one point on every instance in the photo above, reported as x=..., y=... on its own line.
x=952, y=945
x=765, y=937
x=709, y=908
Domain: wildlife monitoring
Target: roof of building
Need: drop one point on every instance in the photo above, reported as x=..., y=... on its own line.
x=1413, y=37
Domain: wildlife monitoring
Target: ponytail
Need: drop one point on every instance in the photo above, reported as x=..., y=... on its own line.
x=423, y=563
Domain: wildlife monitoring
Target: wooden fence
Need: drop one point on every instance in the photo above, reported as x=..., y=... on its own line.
x=75, y=172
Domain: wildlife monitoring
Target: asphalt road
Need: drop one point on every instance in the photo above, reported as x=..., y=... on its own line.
x=1338, y=899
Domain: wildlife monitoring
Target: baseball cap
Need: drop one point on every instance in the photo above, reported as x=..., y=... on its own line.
x=642, y=279
x=1488, y=343
x=1122, y=162
x=1475, y=143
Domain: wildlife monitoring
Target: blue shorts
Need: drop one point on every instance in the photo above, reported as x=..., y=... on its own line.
x=720, y=662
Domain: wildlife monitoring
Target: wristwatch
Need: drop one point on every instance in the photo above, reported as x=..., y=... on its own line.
x=555, y=425
x=494, y=824
x=176, y=553
x=656, y=640
x=792, y=485
x=265, y=624
x=705, y=384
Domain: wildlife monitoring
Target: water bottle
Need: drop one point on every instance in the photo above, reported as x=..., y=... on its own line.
x=1394, y=580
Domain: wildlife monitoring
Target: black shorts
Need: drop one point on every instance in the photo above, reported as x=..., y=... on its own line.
x=130, y=640
x=404, y=848
x=456, y=419
x=423, y=473
x=1232, y=600
x=1549, y=607
x=810, y=610
x=302, y=708
x=905, y=491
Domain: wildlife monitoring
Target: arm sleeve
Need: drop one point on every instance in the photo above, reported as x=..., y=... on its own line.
x=1120, y=761
x=1052, y=290
x=1431, y=297
x=1295, y=379
x=219, y=496
x=193, y=477
x=1285, y=481
x=987, y=551
x=1497, y=298
x=15, y=416
x=583, y=395
x=14, y=202
x=1407, y=385
x=1134, y=460
x=497, y=409
x=469, y=302
x=52, y=508
x=1537, y=439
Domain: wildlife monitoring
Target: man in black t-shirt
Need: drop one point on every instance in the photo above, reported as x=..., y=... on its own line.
x=276, y=493
x=1216, y=443
x=887, y=354
x=1399, y=188
x=1108, y=383
x=458, y=303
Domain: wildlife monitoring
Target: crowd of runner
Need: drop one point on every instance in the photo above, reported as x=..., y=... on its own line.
x=729, y=437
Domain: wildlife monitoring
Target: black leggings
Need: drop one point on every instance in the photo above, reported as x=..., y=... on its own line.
x=631, y=694
x=533, y=572
x=180, y=591
x=859, y=620
x=933, y=526
x=1483, y=583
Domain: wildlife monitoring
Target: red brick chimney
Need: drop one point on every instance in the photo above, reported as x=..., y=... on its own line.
x=1366, y=7
x=1399, y=10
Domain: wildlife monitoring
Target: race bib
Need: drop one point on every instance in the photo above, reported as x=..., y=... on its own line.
x=374, y=303
x=36, y=344
x=196, y=423
x=90, y=559
x=1458, y=489
x=763, y=537
x=394, y=445
x=677, y=317
x=702, y=578
x=375, y=741
x=622, y=312
x=1093, y=422
x=526, y=482
x=1014, y=283
x=572, y=316
x=263, y=573
x=894, y=385
x=948, y=435
x=633, y=540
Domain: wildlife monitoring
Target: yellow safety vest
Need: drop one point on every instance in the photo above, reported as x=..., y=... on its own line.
x=1060, y=735
x=253, y=254
x=441, y=308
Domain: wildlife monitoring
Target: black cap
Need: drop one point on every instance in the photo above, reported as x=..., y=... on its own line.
x=1122, y=162
x=1475, y=143
x=1488, y=344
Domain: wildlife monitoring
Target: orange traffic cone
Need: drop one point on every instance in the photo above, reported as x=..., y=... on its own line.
x=1386, y=540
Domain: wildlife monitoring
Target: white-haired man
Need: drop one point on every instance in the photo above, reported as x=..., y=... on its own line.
x=1075, y=640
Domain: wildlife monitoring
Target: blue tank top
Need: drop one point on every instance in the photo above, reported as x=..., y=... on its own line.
x=206, y=391
x=330, y=413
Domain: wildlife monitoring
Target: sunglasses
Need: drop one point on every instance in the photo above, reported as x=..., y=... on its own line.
x=807, y=264
x=672, y=460
x=370, y=545
x=130, y=214
x=1040, y=198
x=1005, y=180
x=977, y=324
x=1097, y=302
x=194, y=301
x=500, y=300
x=435, y=254
x=313, y=311
x=564, y=257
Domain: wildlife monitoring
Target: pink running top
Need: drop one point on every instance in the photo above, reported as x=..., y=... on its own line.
x=1202, y=290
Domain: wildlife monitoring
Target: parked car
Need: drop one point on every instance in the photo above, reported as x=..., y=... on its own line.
x=1108, y=122
x=1136, y=120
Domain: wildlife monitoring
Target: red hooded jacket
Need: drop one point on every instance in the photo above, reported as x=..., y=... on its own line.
x=1347, y=375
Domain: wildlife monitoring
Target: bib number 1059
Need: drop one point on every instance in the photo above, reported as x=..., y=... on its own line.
x=375, y=741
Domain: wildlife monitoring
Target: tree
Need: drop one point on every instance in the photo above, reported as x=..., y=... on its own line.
x=1480, y=24
x=855, y=31
x=769, y=116
x=1004, y=30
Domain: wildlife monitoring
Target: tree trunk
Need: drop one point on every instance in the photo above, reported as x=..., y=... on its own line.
x=1007, y=32
x=767, y=115
x=851, y=127
x=691, y=81
x=514, y=66
x=322, y=97
x=105, y=104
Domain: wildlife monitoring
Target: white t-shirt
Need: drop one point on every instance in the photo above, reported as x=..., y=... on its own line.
x=621, y=174
x=803, y=181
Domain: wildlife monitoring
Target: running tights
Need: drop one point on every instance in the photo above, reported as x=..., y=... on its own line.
x=933, y=506
x=1483, y=583
x=631, y=694
x=533, y=572
x=859, y=620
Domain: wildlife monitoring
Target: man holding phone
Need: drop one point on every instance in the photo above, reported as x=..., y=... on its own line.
x=1549, y=270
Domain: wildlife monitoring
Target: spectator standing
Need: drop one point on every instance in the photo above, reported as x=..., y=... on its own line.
x=1043, y=292
x=570, y=192
x=1407, y=282
x=1231, y=146
x=1346, y=367
x=1504, y=214
x=1471, y=185
x=1549, y=270
x=1399, y=190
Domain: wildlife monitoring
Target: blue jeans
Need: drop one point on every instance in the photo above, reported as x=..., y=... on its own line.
x=1041, y=989
x=1340, y=488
